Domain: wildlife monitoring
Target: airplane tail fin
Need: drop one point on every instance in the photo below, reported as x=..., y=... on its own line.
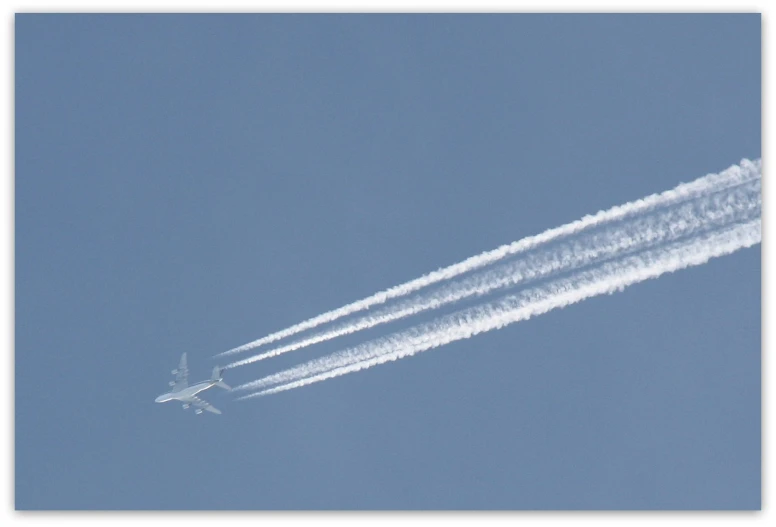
x=219, y=379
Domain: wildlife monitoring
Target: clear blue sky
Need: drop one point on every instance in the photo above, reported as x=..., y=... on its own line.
x=191, y=183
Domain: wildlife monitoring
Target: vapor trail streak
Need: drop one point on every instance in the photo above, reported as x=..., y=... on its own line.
x=619, y=238
x=604, y=279
x=734, y=175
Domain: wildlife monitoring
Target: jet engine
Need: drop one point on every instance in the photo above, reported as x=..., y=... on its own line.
x=171, y=383
x=197, y=411
x=174, y=372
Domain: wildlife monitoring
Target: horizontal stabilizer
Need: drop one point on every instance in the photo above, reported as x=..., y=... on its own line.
x=217, y=377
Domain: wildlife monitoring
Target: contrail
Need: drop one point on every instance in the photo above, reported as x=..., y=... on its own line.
x=734, y=175
x=604, y=279
x=641, y=232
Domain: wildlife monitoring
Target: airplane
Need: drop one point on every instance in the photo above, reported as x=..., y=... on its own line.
x=181, y=391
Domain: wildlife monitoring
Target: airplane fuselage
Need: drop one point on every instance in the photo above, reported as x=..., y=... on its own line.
x=186, y=394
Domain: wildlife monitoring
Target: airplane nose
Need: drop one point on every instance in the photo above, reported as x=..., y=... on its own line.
x=158, y=399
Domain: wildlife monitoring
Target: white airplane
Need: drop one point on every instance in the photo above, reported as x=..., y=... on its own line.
x=181, y=391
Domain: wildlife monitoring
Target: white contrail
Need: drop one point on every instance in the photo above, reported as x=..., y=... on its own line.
x=607, y=278
x=734, y=175
x=665, y=225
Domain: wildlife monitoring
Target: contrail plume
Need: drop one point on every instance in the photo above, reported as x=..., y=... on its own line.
x=612, y=240
x=735, y=175
x=605, y=279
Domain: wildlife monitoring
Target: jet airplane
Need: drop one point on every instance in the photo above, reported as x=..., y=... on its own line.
x=181, y=391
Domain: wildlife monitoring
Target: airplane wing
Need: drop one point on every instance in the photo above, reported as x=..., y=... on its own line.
x=204, y=405
x=181, y=375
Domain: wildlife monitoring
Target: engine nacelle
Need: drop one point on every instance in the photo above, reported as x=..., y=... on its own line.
x=171, y=383
x=197, y=411
x=175, y=372
x=185, y=406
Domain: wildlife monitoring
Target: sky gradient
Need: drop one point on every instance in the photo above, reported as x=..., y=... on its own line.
x=191, y=183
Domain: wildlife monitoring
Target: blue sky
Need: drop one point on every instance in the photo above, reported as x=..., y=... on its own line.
x=191, y=183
